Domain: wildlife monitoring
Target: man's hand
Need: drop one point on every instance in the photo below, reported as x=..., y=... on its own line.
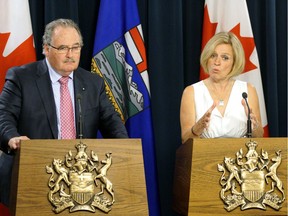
x=14, y=143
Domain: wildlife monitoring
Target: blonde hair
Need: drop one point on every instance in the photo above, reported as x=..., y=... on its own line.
x=238, y=52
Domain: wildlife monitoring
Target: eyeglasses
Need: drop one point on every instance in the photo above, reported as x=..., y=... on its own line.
x=65, y=49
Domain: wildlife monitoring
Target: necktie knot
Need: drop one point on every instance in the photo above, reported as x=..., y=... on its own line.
x=64, y=80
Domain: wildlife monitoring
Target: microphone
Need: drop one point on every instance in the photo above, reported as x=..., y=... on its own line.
x=80, y=121
x=249, y=123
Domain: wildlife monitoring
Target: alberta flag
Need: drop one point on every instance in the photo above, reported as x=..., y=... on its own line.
x=16, y=38
x=233, y=16
x=119, y=56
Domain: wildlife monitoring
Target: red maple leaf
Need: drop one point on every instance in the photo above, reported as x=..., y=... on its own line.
x=24, y=53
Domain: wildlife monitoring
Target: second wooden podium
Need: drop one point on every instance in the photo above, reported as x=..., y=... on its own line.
x=231, y=177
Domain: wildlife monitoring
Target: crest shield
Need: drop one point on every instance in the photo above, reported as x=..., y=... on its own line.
x=82, y=187
x=253, y=186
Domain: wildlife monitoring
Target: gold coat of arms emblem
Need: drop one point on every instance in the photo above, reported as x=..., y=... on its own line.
x=250, y=180
x=80, y=182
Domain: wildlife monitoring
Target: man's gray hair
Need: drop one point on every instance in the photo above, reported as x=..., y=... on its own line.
x=50, y=27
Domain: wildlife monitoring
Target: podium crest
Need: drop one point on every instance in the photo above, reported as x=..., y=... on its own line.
x=245, y=178
x=73, y=183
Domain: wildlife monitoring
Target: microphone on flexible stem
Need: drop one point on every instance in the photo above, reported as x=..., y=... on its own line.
x=80, y=121
x=249, y=124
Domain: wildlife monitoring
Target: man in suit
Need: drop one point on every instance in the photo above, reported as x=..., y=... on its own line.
x=30, y=103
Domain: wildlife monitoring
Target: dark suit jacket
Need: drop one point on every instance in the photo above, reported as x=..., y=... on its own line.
x=27, y=106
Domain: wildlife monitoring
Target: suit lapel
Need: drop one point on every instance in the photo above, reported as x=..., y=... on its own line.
x=46, y=93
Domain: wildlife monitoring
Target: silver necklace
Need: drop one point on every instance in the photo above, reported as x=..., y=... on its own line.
x=221, y=102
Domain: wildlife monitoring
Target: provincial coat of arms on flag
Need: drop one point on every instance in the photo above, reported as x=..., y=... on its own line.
x=123, y=83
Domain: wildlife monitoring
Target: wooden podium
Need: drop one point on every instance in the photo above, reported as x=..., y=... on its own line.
x=30, y=178
x=197, y=179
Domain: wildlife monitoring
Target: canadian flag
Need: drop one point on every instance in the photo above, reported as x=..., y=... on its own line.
x=16, y=38
x=16, y=43
x=233, y=16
